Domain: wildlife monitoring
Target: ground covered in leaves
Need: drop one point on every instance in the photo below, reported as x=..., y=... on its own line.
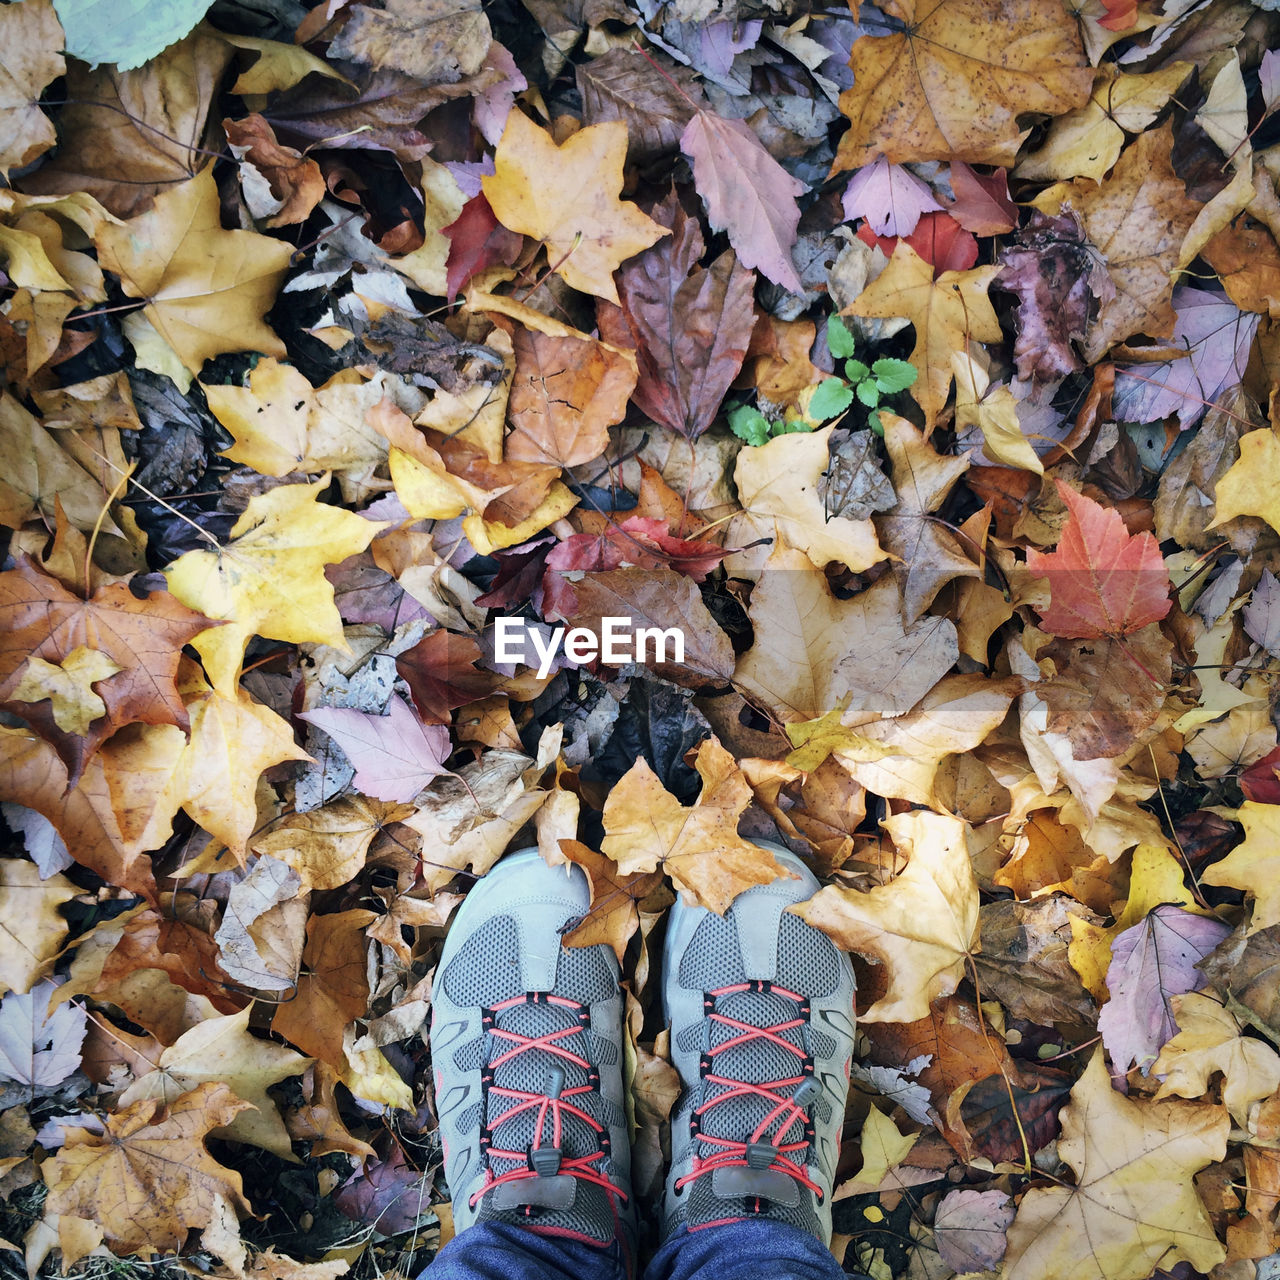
x=916, y=364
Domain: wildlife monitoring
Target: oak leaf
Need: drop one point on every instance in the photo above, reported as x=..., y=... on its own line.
x=813, y=652
x=32, y=930
x=922, y=925
x=957, y=82
x=141, y=637
x=1254, y=864
x=1103, y=581
x=1134, y=1204
x=205, y=289
x=690, y=325
x=221, y=1050
x=149, y=1178
x=31, y=41
x=948, y=313
x=268, y=579
x=698, y=846
x=747, y=194
x=568, y=197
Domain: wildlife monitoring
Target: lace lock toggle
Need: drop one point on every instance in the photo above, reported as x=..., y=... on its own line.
x=760, y=1155
x=545, y=1161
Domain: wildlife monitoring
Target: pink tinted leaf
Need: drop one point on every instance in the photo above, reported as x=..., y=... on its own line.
x=1103, y=581
x=476, y=240
x=395, y=755
x=1269, y=80
x=890, y=197
x=1216, y=335
x=1151, y=962
x=938, y=238
x=747, y=194
x=982, y=203
x=969, y=1229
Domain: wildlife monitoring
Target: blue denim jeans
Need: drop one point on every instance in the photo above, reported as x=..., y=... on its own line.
x=732, y=1251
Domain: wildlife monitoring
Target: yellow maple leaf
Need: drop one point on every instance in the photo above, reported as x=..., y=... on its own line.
x=957, y=80
x=568, y=196
x=697, y=845
x=69, y=686
x=1252, y=486
x=32, y=929
x=269, y=578
x=222, y=1050
x=921, y=925
x=148, y=1178
x=948, y=313
x=1254, y=864
x=206, y=289
x=1134, y=1204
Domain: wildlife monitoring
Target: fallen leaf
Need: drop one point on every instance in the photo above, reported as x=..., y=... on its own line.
x=1251, y=486
x=1103, y=581
x=746, y=193
x=220, y=1051
x=1244, y=969
x=1209, y=1042
x=1133, y=1162
x=128, y=37
x=813, y=652
x=1254, y=864
x=928, y=555
x=921, y=925
x=31, y=38
x=883, y=1147
x=327, y=846
x=294, y=180
x=439, y=41
x=262, y=933
x=566, y=393
x=68, y=687
x=39, y=1048
x=333, y=988
x=205, y=289
x=140, y=637
x=1137, y=220
x=982, y=204
x=890, y=197
x=441, y=674
x=947, y=313
x=698, y=846
x=269, y=578
x=932, y=92
x=969, y=1229
x=690, y=325
x=568, y=197
x=614, y=914
x=1151, y=962
x=621, y=85
x=780, y=488
x=32, y=930
x=128, y=136
x=149, y=1178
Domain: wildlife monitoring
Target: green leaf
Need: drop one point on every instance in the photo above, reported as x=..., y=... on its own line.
x=893, y=375
x=126, y=33
x=876, y=422
x=792, y=428
x=749, y=424
x=855, y=370
x=869, y=393
x=839, y=339
x=831, y=398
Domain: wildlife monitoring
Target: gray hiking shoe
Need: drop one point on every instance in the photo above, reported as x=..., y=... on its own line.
x=762, y=1027
x=526, y=1046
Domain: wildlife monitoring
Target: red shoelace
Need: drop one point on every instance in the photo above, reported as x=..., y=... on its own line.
x=555, y=1105
x=785, y=1113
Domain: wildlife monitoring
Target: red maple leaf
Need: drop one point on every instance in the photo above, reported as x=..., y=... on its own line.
x=1103, y=581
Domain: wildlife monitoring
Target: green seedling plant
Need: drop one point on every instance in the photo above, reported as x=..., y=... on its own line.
x=832, y=397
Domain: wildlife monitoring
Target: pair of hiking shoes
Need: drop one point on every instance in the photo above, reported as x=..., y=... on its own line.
x=527, y=1049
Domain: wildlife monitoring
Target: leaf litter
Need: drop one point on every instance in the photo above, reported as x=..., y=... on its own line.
x=931, y=400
